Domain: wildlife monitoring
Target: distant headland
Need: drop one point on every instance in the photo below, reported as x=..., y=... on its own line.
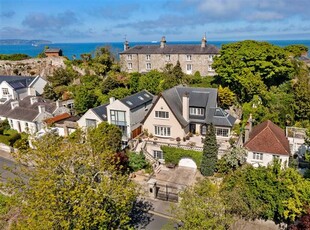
x=23, y=42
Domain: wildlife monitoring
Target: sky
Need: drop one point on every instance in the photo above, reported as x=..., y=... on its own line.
x=149, y=20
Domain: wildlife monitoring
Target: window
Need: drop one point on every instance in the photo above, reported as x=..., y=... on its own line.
x=210, y=57
x=141, y=98
x=257, y=156
x=129, y=57
x=196, y=111
x=188, y=57
x=222, y=132
x=148, y=66
x=163, y=131
x=161, y=114
x=118, y=117
x=130, y=65
x=11, y=124
x=158, y=154
x=167, y=57
x=90, y=123
x=148, y=57
x=5, y=91
x=189, y=67
x=275, y=157
x=203, y=130
x=210, y=68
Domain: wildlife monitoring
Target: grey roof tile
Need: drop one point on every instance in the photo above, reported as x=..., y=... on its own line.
x=137, y=99
x=101, y=111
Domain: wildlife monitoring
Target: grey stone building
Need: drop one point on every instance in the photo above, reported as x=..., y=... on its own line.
x=192, y=58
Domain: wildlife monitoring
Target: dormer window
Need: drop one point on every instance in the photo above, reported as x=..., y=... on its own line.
x=5, y=91
x=196, y=111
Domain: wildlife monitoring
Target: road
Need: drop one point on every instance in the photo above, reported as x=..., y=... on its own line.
x=157, y=222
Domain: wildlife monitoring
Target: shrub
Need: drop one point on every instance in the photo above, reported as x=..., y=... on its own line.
x=174, y=155
x=21, y=144
x=137, y=161
x=14, y=138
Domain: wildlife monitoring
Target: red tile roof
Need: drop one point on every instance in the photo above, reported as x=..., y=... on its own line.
x=60, y=117
x=268, y=138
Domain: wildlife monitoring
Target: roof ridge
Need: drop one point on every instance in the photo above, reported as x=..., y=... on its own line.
x=277, y=137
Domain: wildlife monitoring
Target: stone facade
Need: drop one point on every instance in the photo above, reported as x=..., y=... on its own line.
x=192, y=58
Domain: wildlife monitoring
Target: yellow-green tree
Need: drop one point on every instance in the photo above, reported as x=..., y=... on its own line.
x=73, y=184
x=226, y=97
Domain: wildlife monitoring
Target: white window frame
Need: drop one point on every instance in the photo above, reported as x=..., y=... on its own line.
x=210, y=68
x=188, y=57
x=129, y=65
x=162, y=114
x=5, y=91
x=129, y=56
x=162, y=131
x=167, y=57
x=210, y=57
x=221, y=132
x=148, y=66
x=258, y=156
x=148, y=57
x=158, y=154
x=189, y=67
x=196, y=111
x=90, y=122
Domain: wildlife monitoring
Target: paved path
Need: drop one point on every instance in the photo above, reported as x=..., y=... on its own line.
x=6, y=161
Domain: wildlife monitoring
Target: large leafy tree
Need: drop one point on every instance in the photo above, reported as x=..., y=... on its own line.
x=74, y=184
x=84, y=99
x=202, y=207
x=270, y=192
x=250, y=65
x=210, y=153
x=226, y=97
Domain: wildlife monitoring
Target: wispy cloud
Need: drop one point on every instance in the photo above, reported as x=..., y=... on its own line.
x=7, y=14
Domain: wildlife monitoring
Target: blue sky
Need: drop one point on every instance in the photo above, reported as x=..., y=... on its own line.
x=148, y=20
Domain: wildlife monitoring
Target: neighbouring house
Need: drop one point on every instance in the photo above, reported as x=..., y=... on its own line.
x=182, y=111
x=53, y=52
x=28, y=115
x=64, y=124
x=19, y=87
x=296, y=137
x=265, y=143
x=126, y=113
x=192, y=58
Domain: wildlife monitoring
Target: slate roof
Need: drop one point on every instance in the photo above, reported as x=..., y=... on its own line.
x=198, y=97
x=268, y=138
x=101, y=111
x=52, y=50
x=172, y=49
x=17, y=82
x=135, y=100
x=25, y=111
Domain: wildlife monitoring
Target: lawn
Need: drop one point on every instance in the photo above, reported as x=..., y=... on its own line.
x=7, y=134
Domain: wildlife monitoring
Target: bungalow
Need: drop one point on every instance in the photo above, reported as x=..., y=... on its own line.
x=265, y=143
x=18, y=87
x=53, y=52
x=64, y=124
x=27, y=115
x=126, y=113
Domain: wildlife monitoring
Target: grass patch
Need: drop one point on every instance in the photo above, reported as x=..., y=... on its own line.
x=174, y=155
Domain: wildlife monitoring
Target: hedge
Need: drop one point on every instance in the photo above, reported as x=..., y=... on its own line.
x=174, y=155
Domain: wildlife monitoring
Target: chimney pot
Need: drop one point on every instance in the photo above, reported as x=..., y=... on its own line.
x=163, y=42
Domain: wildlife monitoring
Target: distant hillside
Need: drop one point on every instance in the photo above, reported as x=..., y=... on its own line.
x=23, y=42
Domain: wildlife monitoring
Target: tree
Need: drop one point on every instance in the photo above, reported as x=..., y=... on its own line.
x=84, y=99
x=232, y=160
x=226, y=97
x=250, y=66
x=202, y=207
x=210, y=152
x=103, y=61
x=134, y=82
x=296, y=50
x=62, y=76
x=151, y=81
x=74, y=185
x=49, y=93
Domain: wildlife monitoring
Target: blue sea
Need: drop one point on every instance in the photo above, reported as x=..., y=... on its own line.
x=71, y=49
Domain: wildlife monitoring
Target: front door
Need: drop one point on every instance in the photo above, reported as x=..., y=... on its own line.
x=192, y=128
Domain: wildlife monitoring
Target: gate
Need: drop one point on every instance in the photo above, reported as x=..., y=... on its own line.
x=167, y=192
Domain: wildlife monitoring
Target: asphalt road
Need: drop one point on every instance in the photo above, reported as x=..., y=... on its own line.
x=157, y=222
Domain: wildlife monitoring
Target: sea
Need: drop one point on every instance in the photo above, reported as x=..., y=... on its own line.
x=71, y=50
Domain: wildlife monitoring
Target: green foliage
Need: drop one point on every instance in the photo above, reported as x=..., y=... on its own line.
x=205, y=82
x=251, y=67
x=232, y=160
x=4, y=126
x=14, y=138
x=62, y=76
x=201, y=207
x=210, y=152
x=296, y=50
x=4, y=204
x=226, y=97
x=49, y=93
x=137, y=161
x=14, y=57
x=74, y=185
x=42, y=54
x=103, y=61
x=174, y=155
x=151, y=81
x=270, y=192
x=134, y=82
x=84, y=99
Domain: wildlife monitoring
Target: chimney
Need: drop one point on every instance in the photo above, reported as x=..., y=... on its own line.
x=33, y=100
x=31, y=91
x=126, y=45
x=112, y=99
x=58, y=104
x=185, y=108
x=163, y=42
x=14, y=104
x=204, y=42
x=248, y=129
x=41, y=108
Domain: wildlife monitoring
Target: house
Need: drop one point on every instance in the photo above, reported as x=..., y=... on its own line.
x=19, y=87
x=64, y=124
x=53, y=52
x=126, y=113
x=180, y=111
x=265, y=143
x=192, y=58
x=28, y=115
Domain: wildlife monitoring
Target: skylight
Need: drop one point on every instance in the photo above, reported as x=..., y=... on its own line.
x=147, y=95
x=129, y=102
x=141, y=98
